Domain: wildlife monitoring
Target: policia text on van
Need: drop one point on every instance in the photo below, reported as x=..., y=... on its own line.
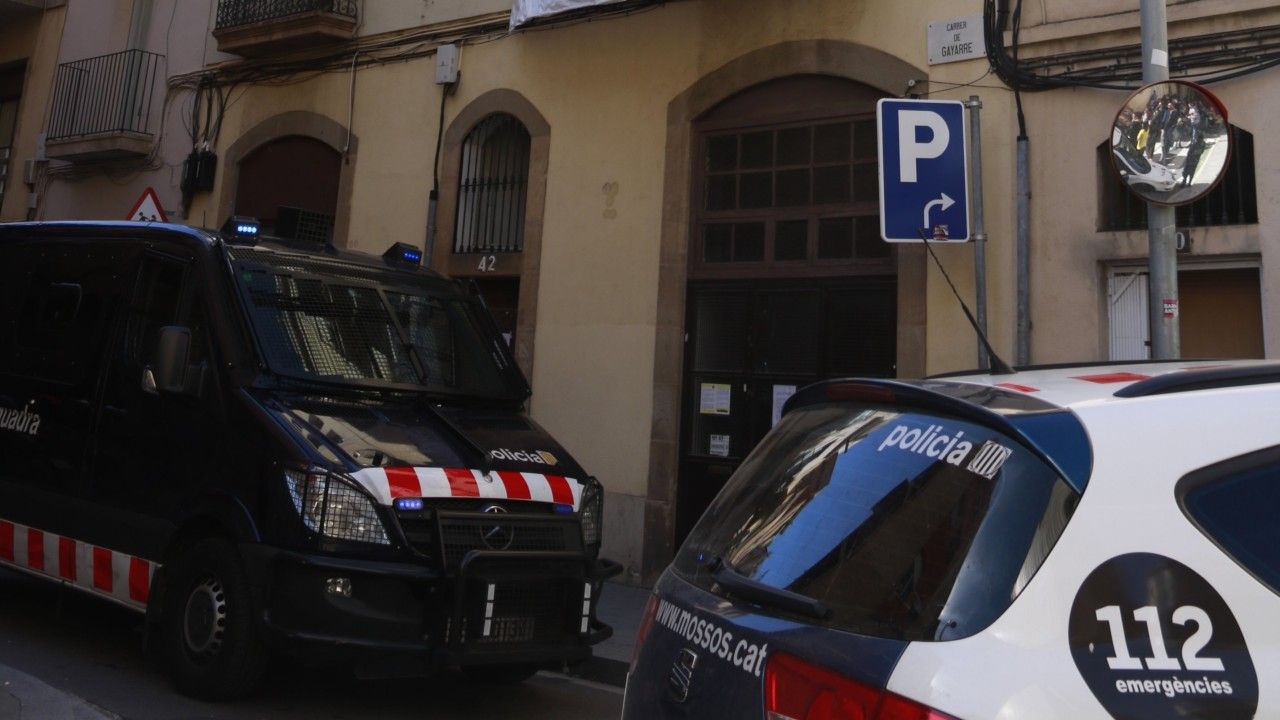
x=266, y=447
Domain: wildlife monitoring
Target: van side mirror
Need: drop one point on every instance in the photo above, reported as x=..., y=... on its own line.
x=169, y=366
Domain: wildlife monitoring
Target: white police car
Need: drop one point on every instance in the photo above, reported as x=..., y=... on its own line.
x=1070, y=542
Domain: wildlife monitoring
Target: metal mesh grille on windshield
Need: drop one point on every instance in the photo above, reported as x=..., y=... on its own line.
x=325, y=318
x=339, y=331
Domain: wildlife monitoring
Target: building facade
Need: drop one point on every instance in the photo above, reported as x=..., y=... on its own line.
x=672, y=208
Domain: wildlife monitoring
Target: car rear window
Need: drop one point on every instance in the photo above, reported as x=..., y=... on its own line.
x=906, y=525
x=1235, y=505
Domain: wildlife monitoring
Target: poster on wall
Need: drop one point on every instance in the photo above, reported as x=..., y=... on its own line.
x=714, y=399
x=719, y=446
x=781, y=393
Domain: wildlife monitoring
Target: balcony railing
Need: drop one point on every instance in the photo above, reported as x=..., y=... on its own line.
x=234, y=13
x=258, y=27
x=104, y=96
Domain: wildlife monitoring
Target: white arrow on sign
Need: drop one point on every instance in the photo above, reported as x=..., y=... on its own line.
x=945, y=201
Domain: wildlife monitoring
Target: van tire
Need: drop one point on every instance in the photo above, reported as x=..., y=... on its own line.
x=208, y=637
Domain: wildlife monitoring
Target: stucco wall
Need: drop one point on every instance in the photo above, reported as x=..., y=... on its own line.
x=1069, y=254
x=178, y=31
x=95, y=28
x=34, y=39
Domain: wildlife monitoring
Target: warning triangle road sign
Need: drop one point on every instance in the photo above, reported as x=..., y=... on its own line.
x=147, y=209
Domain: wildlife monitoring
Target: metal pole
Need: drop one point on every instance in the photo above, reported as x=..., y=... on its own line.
x=1023, y=355
x=430, y=244
x=1162, y=296
x=979, y=230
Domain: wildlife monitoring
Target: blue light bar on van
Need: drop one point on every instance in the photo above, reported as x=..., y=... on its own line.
x=242, y=228
x=409, y=504
x=563, y=509
x=403, y=254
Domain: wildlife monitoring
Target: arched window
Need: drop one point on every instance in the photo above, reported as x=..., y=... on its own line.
x=291, y=185
x=492, y=187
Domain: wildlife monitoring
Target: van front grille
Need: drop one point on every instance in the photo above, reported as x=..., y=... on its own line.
x=451, y=536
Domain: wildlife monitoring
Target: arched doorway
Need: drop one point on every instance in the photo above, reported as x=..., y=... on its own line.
x=488, y=232
x=788, y=281
x=291, y=185
x=493, y=182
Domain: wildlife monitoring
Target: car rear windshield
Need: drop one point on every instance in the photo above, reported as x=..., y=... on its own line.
x=362, y=326
x=905, y=525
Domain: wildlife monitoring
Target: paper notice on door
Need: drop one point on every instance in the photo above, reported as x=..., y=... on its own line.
x=715, y=399
x=719, y=446
x=780, y=395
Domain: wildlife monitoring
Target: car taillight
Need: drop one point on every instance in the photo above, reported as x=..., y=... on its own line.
x=646, y=624
x=797, y=690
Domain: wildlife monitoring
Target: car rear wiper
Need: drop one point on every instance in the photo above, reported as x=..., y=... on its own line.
x=747, y=589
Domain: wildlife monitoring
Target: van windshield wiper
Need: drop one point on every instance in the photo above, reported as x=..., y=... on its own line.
x=744, y=587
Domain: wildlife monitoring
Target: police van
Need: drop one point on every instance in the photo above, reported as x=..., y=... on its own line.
x=1070, y=542
x=270, y=448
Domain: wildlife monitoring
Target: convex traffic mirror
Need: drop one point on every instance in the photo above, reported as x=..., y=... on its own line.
x=1170, y=142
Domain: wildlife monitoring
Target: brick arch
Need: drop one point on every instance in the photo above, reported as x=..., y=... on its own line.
x=300, y=123
x=868, y=66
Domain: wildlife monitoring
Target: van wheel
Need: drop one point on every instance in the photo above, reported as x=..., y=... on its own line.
x=207, y=632
x=500, y=674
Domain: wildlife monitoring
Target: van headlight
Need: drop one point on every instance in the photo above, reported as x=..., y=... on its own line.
x=334, y=507
x=591, y=514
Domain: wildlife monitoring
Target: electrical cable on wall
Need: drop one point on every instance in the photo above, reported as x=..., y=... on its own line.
x=1208, y=58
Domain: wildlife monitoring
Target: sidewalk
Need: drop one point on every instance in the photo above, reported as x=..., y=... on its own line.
x=620, y=607
x=23, y=697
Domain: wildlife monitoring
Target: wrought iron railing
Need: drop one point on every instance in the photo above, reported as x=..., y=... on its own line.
x=233, y=13
x=108, y=93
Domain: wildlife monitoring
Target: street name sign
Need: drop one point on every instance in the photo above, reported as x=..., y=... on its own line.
x=924, y=178
x=956, y=39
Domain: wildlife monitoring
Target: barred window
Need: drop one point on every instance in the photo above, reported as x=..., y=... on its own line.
x=492, y=184
x=1233, y=202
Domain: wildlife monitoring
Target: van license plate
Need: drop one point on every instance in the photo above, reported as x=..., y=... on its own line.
x=512, y=629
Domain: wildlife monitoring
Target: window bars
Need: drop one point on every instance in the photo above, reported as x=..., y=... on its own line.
x=492, y=185
x=234, y=13
x=1233, y=202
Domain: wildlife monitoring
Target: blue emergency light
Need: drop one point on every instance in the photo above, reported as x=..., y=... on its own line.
x=403, y=254
x=240, y=227
x=409, y=504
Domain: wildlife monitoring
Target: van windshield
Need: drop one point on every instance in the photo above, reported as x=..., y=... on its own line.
x=357, y=325
x=905, y=525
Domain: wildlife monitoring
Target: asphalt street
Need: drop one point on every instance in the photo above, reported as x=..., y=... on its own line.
x=93, y=650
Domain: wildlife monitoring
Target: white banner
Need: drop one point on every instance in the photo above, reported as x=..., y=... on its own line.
x=526, y=11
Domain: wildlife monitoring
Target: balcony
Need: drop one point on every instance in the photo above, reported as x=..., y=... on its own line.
x=102, y=107
x=253, y=28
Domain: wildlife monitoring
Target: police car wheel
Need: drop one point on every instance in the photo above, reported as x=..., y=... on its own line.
x=500, y=674
x=210, y=644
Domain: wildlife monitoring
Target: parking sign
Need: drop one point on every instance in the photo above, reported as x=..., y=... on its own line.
x=924, y=178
